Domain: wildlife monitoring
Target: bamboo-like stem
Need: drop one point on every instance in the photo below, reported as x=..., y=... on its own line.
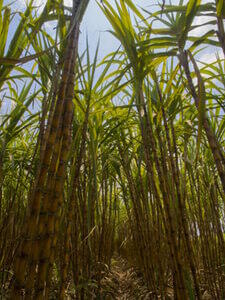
x=213, y=143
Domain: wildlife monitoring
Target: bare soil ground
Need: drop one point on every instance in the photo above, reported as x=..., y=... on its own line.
x=122, y=282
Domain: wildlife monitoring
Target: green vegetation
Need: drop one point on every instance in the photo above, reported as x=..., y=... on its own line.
x=113, y=160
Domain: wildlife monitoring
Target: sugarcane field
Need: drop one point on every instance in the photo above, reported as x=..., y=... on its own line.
x=112, y=149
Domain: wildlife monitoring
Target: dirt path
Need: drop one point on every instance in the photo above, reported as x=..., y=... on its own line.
x=122, y=282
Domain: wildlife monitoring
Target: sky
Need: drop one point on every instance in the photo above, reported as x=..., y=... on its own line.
x=96, y=26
